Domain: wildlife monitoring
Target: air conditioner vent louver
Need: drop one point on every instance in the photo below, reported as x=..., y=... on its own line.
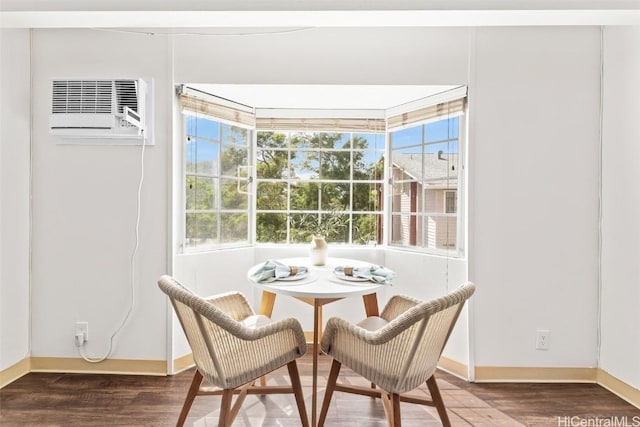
x=82, y=96
x=127, y=95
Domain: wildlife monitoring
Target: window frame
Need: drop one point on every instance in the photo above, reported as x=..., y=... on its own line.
x=460, y=214
x=350, y=182
x=218, y=210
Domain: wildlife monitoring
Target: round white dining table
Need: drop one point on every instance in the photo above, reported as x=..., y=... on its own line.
x=319, y=287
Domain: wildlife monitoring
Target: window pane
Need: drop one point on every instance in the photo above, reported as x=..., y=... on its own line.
x=335, y=196
x=335, y=165
x=331, y=140
x=304, y=196
x=366, y=229
x=233, y=227
x=232, y=157
x=303, y=140
x=201, y=156
x=340, y=232
x=230, y=197
x=454, y=127
x=442, y=129
x=271, y=164
x=201, y=229
x=298, y=233
x=405, y=196
x=271, y=140
x=345, y=141
x=200, y=193
x=305, y=165
x=234, y=134
x=203, y=127
x=368, y=165
x=271, y=227
x=191, y=155
x=451, y=202
x=439, y=232
x=271, y=196
x=369, y=140
x=403, y=230
x=366, y=197
x=406, y=137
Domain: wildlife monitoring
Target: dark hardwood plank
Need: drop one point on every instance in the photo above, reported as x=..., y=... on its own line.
x=49, y=399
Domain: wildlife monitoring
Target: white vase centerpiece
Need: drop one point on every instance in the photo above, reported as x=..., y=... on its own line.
x=322, y=226
x=319, y=251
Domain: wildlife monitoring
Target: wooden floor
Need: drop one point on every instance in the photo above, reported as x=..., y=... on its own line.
x=44, y=399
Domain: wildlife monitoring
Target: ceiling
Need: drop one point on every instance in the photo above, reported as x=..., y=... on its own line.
x=312, y=13
x=233, y=16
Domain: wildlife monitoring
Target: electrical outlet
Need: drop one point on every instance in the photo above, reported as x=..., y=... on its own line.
x=542, y=339
x=82, y=333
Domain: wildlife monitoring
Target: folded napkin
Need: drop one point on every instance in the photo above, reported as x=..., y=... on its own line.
x=373, y=273
x=273, y=270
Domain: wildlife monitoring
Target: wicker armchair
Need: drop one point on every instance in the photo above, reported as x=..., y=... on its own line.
x=397, y=351
x=233, y=347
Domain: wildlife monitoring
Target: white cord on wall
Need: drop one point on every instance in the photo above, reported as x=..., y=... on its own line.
x=132, y=264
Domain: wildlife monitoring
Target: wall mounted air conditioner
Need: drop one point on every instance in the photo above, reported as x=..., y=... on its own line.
x=113, y=111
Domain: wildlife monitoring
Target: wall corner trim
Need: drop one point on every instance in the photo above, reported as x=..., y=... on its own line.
x=15, y=371
x=454, y=367
x=618, y=387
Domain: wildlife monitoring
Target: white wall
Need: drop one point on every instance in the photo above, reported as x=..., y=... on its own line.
x=209, y=273
x=533, y=210
x=84, y=206
x=14, y=196
x=620, y=323
x=327, y=55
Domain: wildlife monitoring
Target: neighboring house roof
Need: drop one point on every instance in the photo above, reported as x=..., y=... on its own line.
x=437, y=169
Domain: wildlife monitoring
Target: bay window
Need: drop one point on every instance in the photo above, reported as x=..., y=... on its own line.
x=251, y=179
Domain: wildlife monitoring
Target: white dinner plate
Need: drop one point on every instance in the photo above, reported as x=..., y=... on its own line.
x=298, y=276
x=340, y=275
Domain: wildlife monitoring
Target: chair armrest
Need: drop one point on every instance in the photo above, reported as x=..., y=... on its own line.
x=379, y=336
x=227, y=310
x=274, y=328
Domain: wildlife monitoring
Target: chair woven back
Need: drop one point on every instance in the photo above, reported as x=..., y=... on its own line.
x=429, y=325
x=209, y=327
x=197, y=328
x=404, y=353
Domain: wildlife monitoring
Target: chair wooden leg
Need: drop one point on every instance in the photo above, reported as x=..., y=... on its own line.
x=437, y=401
x=395, y=410
x=297, y=391
x=225, y=408
x=385, y=398
x=331, y=385
x=242, y=395
x=191, y=395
